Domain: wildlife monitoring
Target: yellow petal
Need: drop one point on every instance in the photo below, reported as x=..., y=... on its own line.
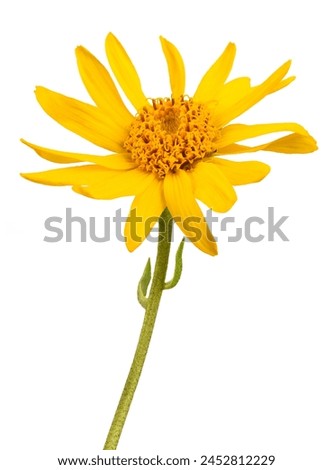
x=242, y=172
x=283, y=84
x=256, y=94
x=101, y=88
x=237, y=132
x=117, y=161
x=293, y=143
x=89, y=122
x=236, y=90
x=229, y=94
x=120, y=184
x=212, y=187
x=125, y=72
x=179, y=197
x=145, y=211
x=214, y=78
x=176, y=68
x=86, y=174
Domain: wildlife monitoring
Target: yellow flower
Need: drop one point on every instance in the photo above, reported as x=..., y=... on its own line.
x=167, y=155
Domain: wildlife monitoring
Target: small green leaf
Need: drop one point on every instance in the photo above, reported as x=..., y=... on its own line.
x=178, y=267
x=143, y=285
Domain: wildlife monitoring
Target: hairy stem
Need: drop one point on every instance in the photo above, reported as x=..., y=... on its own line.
x=157, y=286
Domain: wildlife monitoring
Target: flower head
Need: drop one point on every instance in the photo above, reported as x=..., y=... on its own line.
x=169, y=153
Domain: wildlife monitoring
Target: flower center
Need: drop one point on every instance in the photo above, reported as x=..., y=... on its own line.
x=171, y=135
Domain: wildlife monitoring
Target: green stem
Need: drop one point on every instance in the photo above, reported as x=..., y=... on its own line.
x=163, y=250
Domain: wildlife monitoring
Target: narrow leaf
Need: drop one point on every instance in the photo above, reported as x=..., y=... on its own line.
x=178, y=267
x=143, y=285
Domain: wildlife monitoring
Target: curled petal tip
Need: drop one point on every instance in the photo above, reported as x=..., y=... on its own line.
x=288, y=63
x=130, y=246
x=214, y=251
x=29, y=177
x=110, y=36
x=81, y=190
x=314, y=144
x=164, y=40
x=39, y=90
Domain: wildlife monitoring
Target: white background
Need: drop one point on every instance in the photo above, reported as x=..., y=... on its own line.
x=241, y=358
